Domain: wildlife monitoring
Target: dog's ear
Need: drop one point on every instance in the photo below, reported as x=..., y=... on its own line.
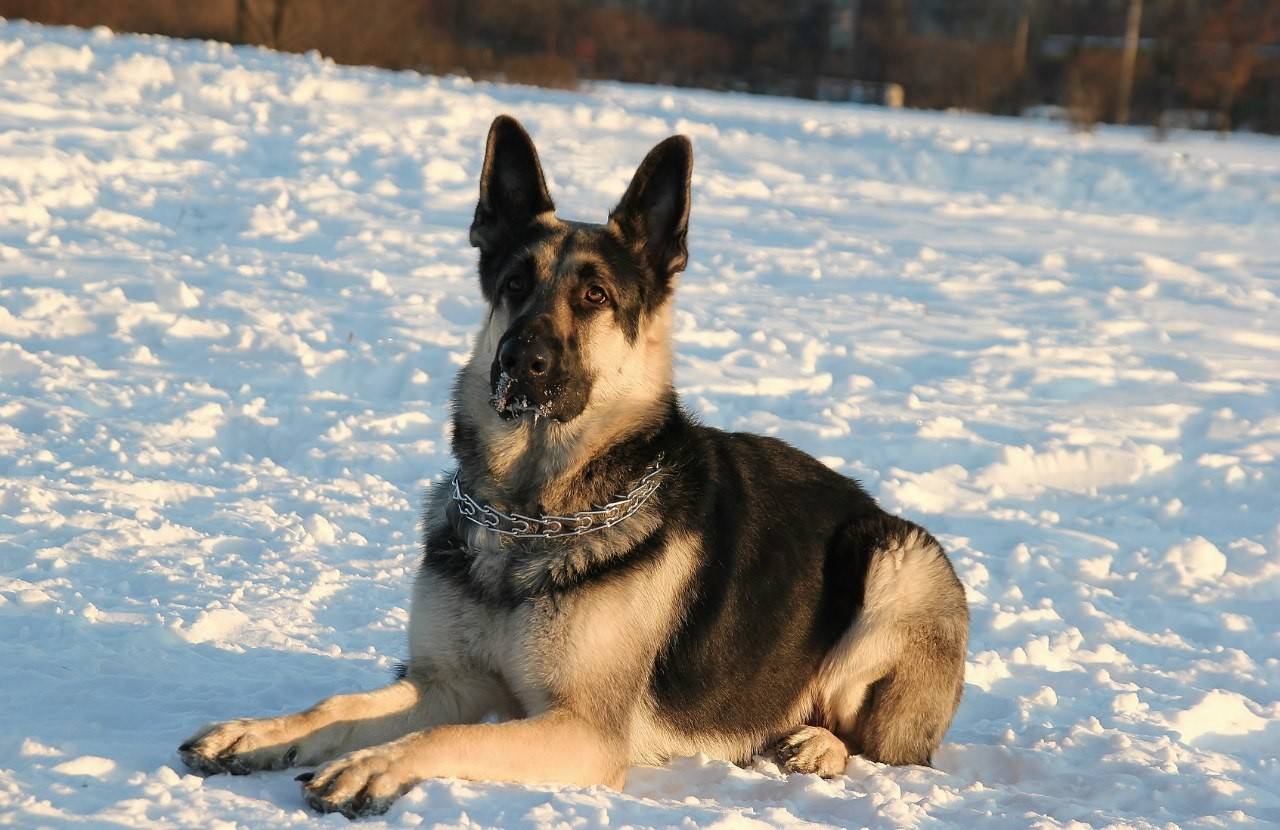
x=512, y=189
x=654, y=212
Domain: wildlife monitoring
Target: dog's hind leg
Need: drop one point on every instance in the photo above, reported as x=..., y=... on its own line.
x=907, y=712
x=340, y=724
x=891, y=686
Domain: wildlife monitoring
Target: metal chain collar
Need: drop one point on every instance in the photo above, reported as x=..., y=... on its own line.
x=550, y=527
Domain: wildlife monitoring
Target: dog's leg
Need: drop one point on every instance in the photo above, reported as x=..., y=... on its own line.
x=339, y=724
x=907, y=712
x=891, y=685
x=813, y=749
x=555, y=747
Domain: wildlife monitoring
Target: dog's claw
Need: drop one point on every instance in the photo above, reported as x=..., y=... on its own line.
x=362, y=783
x=358, y=804
x=304, y=777
x=236, y=747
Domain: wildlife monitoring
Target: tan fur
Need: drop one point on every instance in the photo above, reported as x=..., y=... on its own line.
x=553, y=748
x=625, y=398
x=628, y=620
x=653, y=739
x=813, y=749
x=573, y=678
x=561, y=658
x=344, y=723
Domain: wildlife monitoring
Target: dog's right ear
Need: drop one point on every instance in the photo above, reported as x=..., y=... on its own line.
x=512, y=189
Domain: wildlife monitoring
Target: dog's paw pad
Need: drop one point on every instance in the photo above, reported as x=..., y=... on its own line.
x=812, y=749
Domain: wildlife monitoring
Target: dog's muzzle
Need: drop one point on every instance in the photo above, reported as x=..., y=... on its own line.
x=530, y=377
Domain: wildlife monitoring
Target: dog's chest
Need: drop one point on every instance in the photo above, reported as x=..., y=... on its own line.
x=454, y=630
x=553, y=621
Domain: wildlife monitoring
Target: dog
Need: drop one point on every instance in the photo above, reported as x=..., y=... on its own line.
x=616, y=582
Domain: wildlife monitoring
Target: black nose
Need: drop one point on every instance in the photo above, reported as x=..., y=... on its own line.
x=525, y=358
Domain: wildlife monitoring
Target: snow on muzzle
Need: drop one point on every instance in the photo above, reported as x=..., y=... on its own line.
x=534, y=373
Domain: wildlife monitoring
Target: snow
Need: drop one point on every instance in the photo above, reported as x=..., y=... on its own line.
x=235, y=287
x=1196, y=560
x=1221, y=713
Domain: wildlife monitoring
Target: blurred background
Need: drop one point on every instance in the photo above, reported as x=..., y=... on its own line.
x=1165, y=63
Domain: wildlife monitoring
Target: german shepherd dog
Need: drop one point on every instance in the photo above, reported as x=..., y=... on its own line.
x=618, y=583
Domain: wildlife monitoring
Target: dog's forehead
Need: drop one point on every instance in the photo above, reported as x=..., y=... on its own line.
x=565, y=245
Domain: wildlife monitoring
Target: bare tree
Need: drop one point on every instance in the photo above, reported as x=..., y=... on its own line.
x=1130, y=57
x=261, y=22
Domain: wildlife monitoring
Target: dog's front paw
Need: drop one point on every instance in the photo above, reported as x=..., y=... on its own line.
x=361, y=783
x=238, y=747
x=813, y=749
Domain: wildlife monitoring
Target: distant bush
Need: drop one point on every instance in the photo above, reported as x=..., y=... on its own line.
x=213, y=19
x=620, y=44
x=939, y=72
x=396, y=35
x=539, y=70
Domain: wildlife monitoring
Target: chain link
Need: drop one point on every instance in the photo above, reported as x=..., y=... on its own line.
x=551, y=527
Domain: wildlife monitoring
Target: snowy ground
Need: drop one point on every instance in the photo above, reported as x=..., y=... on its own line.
x=234, y=287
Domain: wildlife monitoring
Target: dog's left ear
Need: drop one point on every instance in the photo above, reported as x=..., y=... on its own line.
x=654, y=212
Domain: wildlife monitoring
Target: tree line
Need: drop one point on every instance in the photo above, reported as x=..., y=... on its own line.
x=1169, y=63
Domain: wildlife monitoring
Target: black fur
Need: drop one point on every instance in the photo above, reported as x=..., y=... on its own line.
x=512, y=188
x=654, y=212
x=780, y=583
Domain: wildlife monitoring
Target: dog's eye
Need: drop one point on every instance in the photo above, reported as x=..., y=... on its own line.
x=596, y=294
x=517, y=285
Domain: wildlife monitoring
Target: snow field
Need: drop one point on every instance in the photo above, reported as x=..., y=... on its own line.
x=234, y=289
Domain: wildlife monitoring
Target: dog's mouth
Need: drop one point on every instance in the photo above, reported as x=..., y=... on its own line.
x=511, y=400
x=555, y=400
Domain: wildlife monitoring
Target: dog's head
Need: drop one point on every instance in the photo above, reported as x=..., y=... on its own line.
x=578, y=312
